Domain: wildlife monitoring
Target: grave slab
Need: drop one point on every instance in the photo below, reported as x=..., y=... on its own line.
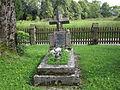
x=44, y=68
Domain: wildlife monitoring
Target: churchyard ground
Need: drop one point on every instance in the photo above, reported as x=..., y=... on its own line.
x=99, y=65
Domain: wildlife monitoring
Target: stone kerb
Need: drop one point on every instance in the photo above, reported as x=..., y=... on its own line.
x=72, y=79
x=46, y=69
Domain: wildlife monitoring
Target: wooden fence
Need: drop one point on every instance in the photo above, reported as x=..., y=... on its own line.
x=89, y=36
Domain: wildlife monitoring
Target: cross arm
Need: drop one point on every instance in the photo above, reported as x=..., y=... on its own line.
x=65, y=21
x=53, y=22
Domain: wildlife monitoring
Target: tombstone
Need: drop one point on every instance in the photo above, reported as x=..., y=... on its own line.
x=60, y=38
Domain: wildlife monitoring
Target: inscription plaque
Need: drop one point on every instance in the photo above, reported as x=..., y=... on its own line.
x=60, y=39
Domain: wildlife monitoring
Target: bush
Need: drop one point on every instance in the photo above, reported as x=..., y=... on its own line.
x=22, y=38
x=20, y=49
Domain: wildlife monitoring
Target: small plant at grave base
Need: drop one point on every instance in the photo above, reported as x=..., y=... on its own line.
x=22, y=37
x=58, y=56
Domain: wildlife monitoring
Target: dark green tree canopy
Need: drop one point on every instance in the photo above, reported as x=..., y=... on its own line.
x=95, y=11
x=45, y=9
x=106, y=12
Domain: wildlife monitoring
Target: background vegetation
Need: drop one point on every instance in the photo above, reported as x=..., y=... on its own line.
x=45, y=9
x=103, y=22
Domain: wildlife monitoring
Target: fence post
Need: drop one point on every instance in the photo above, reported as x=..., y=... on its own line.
x=32, y=34
x=95, y=28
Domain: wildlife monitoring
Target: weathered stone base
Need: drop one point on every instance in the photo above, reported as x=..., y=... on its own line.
x=57, y=74
x=72, y=79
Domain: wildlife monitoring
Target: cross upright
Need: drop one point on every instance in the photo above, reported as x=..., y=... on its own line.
x=59, y=21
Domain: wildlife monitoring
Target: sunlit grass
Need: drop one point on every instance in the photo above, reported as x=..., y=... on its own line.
x=100, y=67
x=16, y=73
x=103, y=22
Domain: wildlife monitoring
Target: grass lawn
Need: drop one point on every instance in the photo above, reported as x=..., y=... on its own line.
x=16, y=72
x=100, y=67
x=104, y=22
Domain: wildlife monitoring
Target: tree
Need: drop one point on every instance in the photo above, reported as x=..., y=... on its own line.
x=7, y=22
x=64, y=5
x=95, y=11
x=85, y=8
x=75, y=10
x=115, y=10
x=46, y=9
x=19, y=9
x=105, y=10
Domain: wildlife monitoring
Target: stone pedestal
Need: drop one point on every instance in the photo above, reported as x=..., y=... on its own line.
x=57, y=74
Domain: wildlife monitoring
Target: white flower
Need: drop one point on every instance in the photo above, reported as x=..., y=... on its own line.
x=68, y=30
x=66, y=50
x=58, y=49
x=52, y=52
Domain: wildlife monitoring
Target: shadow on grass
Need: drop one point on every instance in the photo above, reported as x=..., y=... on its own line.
x=31, y=81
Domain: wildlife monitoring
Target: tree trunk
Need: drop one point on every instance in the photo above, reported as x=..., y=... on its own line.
x=7, y=22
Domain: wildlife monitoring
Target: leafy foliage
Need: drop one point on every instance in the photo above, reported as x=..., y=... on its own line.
x=75, y=10
x=106, y=10
x=115, y=10
x=46, y=9
x=21, y=37
x=19, y=9
x=95, y=11
x=85, y=8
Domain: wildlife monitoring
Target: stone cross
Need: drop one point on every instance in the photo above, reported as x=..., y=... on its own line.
x=59, y=21
x=59, y=38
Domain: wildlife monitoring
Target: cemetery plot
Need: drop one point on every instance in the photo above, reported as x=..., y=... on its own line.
x=59, y=66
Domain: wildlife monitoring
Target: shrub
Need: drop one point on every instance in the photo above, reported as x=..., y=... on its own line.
x=21, y=37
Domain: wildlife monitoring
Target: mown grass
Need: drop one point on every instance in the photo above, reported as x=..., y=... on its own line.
x=63, y=60
x=16, y=72
x=103, y=22
x=100, y=67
